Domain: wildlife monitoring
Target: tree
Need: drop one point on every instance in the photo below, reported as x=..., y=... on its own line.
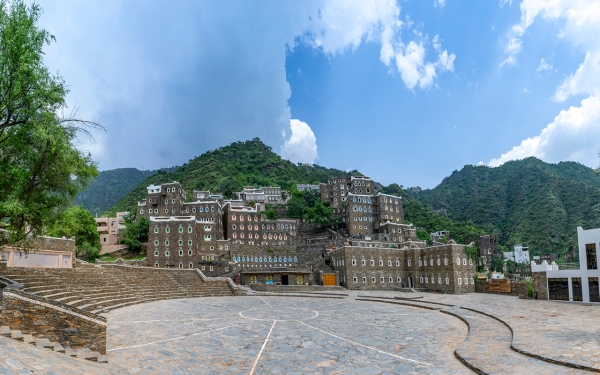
x=41, y=169
x=319, y=215
x=78, y=222
x=270, y=214
x=227, y=186
x=296, y=207
x=135, y=233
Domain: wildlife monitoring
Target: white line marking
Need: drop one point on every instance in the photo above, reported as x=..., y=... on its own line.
x=261, y=349
x=173, y=339
x=365, y=346
x=265, y=301
x=161, y=320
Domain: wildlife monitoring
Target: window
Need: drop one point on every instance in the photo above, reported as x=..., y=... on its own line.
x=464, y=261
x=389, y=263
x=156, y=253
x=409, y=262
x=180, y=252
x=380, y=262
x=457, y=261
x=590, y=255
x=211, y=268
x=167, y=242
x=354, y=262
x=421, y=279
x=372, y=279
x=459, y=281
x=472, y=280
x=156, y=243
x=142, y=212
x=180, y=242
x=167, y=253
x=190, y=252
x=364, y=262
x=167, y=230
x=191, y=265
x=212, y=247
x=355, y=279
x=364, y=279
x=155, y=229
x=398, y=279
x=447, y=280
x=372, y=262
x=189, y=242
x=207, y=237
x=382, y=279
x=470, y=262
x=466, y=280
x=397, y=263
x=445, y=262
x=189, y=229
x=203, y=268
x=180, y=265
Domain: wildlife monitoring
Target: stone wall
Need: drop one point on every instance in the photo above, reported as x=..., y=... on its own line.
x=57, y=322
x=540, y=285
x=296, y=288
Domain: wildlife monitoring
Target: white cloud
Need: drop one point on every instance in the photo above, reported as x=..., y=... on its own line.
x=343, y=25
x=544, y=65
x=504, y=2
x=439, y=3
x=301, y=147
x=573, y=135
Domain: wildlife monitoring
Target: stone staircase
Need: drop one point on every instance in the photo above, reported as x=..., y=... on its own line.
x=82, y=353
x=104, y=288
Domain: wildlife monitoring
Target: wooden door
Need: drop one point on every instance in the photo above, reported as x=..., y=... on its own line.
x=329, y=279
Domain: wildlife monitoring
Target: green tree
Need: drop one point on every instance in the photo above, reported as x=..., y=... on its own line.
x=296, y=206
x=135, y=233
x=41, y=169
x=228, y=187
x=270, y=214
x=320, y=215
x=78, y=222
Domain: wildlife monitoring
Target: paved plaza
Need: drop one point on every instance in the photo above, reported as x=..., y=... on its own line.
x=357, y=333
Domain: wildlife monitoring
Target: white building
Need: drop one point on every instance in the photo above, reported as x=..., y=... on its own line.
x=575, y=284
x=519, y=255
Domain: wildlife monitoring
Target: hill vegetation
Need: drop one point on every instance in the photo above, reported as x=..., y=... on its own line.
x=109, y=187
x=526, y=201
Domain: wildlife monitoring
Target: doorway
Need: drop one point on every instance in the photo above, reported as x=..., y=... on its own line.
x=410, y=283
x=284, y=280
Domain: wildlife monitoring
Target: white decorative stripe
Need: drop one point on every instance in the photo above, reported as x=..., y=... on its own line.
x=55, y=308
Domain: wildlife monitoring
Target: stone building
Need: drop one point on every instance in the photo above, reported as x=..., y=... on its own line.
x=39, y=252
x=335, y=191
x=246, y=225
x=387, y=266
x=487, y=248
x=307, y=187
x=162, y=200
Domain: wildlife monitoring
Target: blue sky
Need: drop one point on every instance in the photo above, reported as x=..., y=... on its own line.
x=403, y=91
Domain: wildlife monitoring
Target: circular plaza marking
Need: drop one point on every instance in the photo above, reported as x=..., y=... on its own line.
x=281, y=314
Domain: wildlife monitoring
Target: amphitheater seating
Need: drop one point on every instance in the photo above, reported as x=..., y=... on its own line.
x=108, y=287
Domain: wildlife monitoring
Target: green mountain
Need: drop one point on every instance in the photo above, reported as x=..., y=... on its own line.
x=108, y=188
x=525, y=201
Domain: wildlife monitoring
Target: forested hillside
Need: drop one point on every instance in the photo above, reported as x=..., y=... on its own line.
x=526, y=201
x=108, y=188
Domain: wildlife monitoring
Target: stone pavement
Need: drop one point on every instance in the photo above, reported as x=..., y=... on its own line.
x=266, y=334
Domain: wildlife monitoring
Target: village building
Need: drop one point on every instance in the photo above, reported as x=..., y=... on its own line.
x=110, y=230
x=40, y=252
x=386, y=266
x=261, y=196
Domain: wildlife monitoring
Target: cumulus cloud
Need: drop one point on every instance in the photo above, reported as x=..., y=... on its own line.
x=343, y=25
x=301, y=146
x=573, y=135
x=439, y=3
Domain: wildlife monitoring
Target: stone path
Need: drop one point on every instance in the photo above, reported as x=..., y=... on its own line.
x=487, y=348
x=266, y=334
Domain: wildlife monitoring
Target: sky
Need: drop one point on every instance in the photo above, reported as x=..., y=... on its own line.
x=403, y=91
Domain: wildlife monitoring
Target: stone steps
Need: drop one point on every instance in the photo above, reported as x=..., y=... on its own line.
x=54, y=346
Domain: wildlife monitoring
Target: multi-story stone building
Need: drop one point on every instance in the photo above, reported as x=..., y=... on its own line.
x=380, y=265
x=487, y=248
x=246, y=225
x=335, y=191
x=162, y=200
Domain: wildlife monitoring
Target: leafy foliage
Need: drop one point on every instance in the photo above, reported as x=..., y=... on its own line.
x=41, y=169
x=319, y=215
x=526, y=201
x=78, y=222
x=135, y=233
